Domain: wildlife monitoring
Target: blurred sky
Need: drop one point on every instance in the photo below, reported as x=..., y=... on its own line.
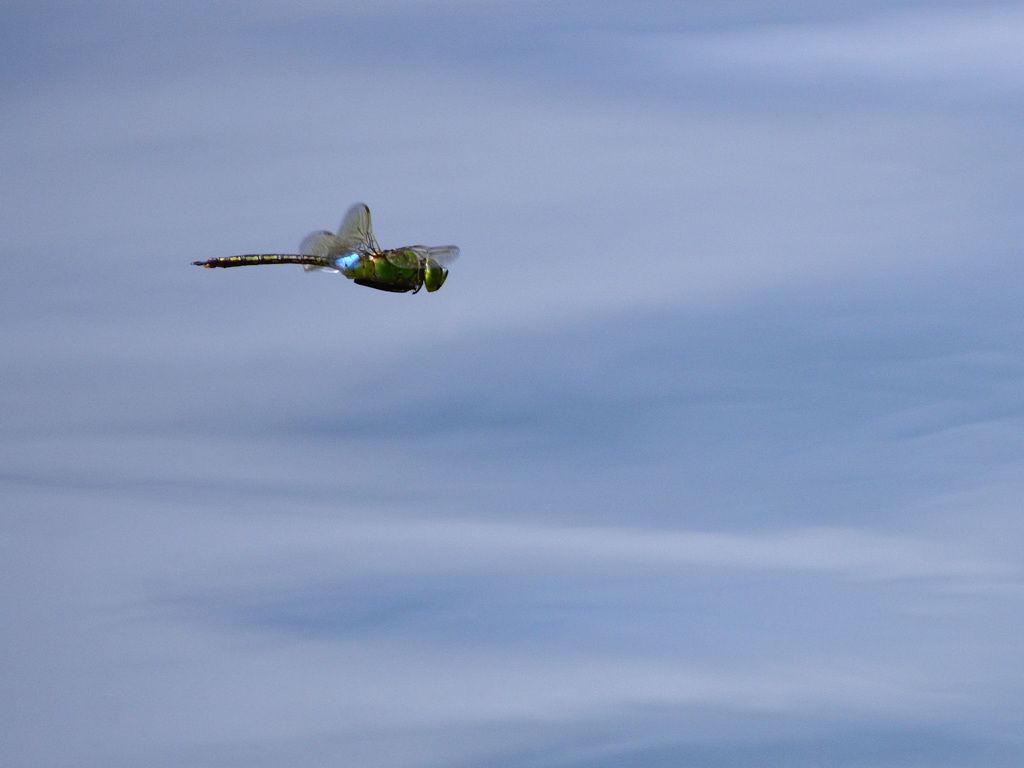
x=709, y=452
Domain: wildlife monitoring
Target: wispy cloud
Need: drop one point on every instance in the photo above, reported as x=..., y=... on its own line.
x=981, y=47
x=432, y=546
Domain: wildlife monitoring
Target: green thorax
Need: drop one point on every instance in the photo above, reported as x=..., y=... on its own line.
x=398, y=270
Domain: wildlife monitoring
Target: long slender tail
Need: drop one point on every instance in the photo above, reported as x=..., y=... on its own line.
x=266, y=258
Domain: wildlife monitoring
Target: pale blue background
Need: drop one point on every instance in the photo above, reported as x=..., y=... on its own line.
x=709, y=453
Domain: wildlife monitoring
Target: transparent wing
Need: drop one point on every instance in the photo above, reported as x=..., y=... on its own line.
x=356, y=231
x=321, y=243
x=409, y=258
x=354, y=236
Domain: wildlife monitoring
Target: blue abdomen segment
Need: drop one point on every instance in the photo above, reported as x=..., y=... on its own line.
x=348, y=262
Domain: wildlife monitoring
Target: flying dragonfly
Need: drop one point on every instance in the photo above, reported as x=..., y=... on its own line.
x=355, y=253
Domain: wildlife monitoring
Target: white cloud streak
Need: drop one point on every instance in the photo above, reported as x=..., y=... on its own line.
x=848, y=552
x=980, y=46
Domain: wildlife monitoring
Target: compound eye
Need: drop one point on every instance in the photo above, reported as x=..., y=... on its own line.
x=434, y=275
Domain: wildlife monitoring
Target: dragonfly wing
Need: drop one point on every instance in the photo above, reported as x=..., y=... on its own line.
x=356, y=231
x=442, y=254
x=321, y=243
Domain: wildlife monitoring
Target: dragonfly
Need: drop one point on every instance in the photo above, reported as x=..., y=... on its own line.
x=354, y=252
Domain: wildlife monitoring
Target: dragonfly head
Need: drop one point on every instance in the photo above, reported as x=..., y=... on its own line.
x=434, y=275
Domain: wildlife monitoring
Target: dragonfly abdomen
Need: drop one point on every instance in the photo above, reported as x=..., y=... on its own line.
x=265, y=258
